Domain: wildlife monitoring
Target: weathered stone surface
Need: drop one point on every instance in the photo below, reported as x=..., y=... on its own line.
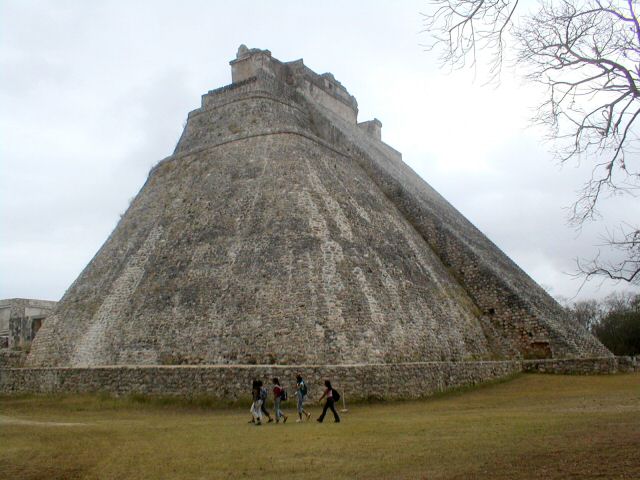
x=281, y=231
x=20, y=320
x=358, y=381
x=628, y=364
x=230, y=382
x=12, y=358
x=583, y=366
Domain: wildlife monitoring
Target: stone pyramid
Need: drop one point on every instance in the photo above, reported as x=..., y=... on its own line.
x=282, y=231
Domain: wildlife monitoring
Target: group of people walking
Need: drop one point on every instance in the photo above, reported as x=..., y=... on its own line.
x=260, y=393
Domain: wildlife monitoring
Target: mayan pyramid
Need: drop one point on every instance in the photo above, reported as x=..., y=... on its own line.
x=282, y=231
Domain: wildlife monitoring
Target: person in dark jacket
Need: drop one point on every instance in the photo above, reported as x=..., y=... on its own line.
x=263, y=396
x=329, y=403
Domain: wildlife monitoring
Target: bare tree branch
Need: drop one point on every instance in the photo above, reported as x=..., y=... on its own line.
x=462, y=27
x=626, y=241
x=586, y=53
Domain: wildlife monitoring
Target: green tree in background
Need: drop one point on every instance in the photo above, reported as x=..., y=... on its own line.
x=619, y=329
x=615, y=320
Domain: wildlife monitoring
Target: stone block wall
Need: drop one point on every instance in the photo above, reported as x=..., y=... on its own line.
x=582, y=366
x=372, y=128
x=231, y=382
x=324, y=89
x=223, y=251
x=242, y=118
x=20, y=319
x=12, y=358
x=518, y=316
x=628, y=364
x=281, y=232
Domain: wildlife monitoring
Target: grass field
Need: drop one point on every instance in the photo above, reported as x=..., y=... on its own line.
x=534, y=426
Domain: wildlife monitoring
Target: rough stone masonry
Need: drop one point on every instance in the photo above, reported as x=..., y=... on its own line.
x=283, y=232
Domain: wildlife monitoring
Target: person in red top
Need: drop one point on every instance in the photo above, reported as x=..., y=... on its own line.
x=328, y=393
x=277, y=398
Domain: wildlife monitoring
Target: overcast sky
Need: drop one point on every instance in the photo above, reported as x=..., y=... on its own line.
x=94, y=93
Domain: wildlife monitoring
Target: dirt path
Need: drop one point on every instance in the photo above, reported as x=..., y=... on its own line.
x=4, y=420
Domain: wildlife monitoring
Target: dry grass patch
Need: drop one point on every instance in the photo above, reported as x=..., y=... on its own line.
x=535, y=426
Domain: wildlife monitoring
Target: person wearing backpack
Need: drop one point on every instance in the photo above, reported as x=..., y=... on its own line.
x=256, y=412
x=279, y=395
x=263, y=397
x=332, y=396
x=301, y=392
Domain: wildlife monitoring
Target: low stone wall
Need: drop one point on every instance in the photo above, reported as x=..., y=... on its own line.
x=10, y=358
x=582, y=366
x=355, y=382
x=628, y=364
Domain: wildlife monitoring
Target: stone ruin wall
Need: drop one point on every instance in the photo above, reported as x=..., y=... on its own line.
x=518, y=316
x=268, y=305
x=233, y=382
x=293, y=111
x=583, y=366
x=355, y=382
x=20, y=320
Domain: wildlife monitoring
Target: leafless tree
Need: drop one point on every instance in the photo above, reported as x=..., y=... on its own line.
x=463, y=28
x=587, y=312
x=620, y=302
x=586, y=53
x=627, y=243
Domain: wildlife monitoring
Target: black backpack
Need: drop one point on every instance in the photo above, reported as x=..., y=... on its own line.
x=284, y=396
x=335, y=394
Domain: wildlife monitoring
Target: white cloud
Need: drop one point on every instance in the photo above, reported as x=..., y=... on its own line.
x=94, y=93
